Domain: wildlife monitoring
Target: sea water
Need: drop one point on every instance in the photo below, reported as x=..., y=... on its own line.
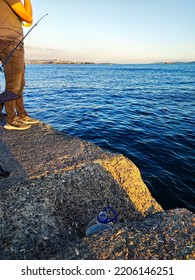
x=145, y=112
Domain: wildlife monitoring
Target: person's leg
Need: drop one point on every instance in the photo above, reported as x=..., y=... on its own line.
x=13, y=70
x=20, y=109
x=6, y=95
x=14, y=74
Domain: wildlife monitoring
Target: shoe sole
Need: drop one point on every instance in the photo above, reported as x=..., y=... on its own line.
x=10, y=127
x=26, y=122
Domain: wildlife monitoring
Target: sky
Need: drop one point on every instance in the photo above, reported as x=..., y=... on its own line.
x=113, y=31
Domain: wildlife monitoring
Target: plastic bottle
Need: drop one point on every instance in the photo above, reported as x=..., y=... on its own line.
x=102, y=222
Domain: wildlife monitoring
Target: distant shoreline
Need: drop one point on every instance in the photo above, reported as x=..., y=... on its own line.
x=55, y=61
x=60, y=61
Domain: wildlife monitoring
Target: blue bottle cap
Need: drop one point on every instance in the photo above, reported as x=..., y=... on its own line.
x=102, y=217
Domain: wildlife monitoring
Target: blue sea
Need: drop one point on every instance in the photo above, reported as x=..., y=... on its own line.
x=145, y=112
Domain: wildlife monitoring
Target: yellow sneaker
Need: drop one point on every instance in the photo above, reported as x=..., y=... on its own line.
x=16, y=125
x=28, y=120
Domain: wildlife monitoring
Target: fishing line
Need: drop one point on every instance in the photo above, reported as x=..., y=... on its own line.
x=10, y=55
x=68, y=31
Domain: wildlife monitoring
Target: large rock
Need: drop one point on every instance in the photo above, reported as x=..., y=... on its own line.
x=56, y=187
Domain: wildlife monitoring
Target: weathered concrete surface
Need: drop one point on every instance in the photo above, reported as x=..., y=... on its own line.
x=42, y=150
x=56, y=186
x=162, y=236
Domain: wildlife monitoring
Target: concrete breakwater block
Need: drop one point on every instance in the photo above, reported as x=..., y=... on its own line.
x=40, y=216
x=60, y=183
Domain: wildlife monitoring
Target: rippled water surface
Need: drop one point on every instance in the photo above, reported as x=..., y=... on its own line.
x=145, y=112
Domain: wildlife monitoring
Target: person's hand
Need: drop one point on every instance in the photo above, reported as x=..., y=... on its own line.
x=26, y=24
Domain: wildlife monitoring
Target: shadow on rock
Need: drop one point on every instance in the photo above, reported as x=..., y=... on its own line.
x=10, y=164
x=41, y=216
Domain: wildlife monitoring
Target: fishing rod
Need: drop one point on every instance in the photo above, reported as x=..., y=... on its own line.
x=10, y=55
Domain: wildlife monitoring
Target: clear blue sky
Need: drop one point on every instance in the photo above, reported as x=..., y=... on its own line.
x=118, y=31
